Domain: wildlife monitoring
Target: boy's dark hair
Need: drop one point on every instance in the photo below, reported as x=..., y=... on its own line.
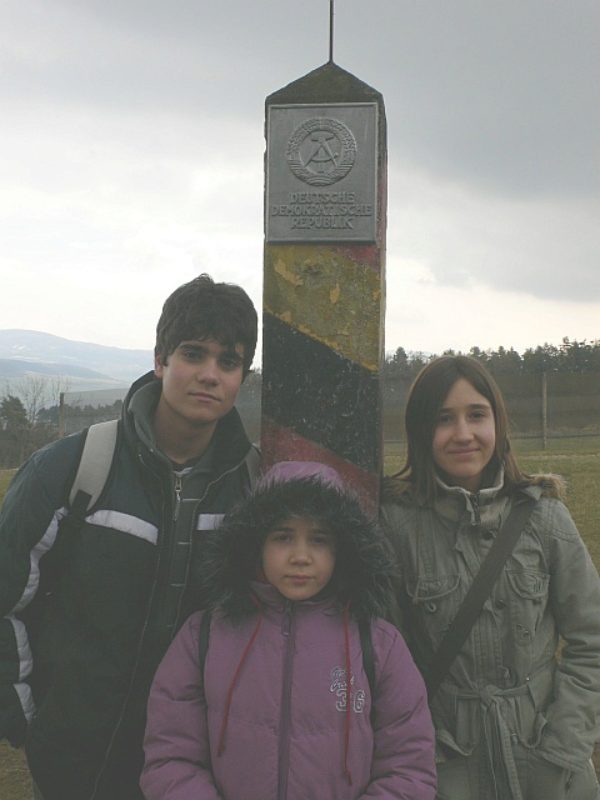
x=203, y=309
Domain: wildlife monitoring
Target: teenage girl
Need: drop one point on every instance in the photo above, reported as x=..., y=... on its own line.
x=513, y=720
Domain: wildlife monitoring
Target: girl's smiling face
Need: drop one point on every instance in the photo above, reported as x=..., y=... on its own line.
x=298, y=557
x=464, y=438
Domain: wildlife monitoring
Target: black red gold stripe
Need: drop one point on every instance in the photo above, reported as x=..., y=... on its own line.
x=321, y=395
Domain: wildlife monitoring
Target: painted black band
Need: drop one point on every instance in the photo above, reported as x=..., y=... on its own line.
x=322, y=396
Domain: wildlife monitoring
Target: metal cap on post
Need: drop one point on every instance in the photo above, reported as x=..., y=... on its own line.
x=324, y=276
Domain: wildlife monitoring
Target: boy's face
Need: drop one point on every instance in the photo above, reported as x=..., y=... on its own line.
x=200, y=382
x=298, y=557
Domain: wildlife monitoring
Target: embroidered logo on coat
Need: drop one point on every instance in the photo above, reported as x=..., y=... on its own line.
x=339, y=687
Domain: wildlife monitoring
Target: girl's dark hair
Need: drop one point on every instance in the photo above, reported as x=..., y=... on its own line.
x=425, y=399
x=203, y=309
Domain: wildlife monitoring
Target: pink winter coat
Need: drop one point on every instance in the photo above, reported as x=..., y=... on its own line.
x=286, y=731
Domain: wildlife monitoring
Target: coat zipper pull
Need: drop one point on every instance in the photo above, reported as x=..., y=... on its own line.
x=476, y=510
x=178, y=487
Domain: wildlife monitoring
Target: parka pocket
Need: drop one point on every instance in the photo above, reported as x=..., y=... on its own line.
x=437, y=600
x=529, y=584
x=525, y=714
x=528, y=600
x=543, y=780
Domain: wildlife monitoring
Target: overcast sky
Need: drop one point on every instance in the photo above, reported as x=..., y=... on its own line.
x=132, y=158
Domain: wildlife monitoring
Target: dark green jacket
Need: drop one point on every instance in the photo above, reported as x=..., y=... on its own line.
x=88, y=616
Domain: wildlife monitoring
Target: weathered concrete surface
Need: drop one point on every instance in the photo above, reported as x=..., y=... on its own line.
x=323, y=325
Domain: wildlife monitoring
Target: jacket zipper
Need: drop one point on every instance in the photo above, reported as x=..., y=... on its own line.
x=195, y=519
x=178, y=489
x=476, y=509
x=287, y=631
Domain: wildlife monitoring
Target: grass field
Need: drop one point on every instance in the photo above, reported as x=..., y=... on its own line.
x=577, y=460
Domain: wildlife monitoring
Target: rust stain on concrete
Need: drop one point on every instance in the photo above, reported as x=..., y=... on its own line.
x=281, y=268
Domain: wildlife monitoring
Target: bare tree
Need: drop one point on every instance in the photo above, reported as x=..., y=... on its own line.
x=38, y=391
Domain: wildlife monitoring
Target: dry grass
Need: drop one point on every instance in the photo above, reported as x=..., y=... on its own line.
x=15, y=783
x=5, y=478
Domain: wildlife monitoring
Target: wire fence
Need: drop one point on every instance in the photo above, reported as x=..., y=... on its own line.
x=544, y=405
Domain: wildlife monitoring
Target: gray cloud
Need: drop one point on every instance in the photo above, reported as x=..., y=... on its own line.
x=505, y=96
x=493, y=115
x=502, y=95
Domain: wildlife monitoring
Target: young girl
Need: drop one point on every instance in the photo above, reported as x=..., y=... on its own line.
x=282, y=707
x=512, y=722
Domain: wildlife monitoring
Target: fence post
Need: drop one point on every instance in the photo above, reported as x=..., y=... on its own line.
x=61, y=415
x=544, y=410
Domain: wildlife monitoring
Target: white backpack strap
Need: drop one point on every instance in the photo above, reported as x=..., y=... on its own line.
x=95, y=462
x=253, y=464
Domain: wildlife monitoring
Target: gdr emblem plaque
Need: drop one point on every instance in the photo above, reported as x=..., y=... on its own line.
x=321, y=151
x=322, y=173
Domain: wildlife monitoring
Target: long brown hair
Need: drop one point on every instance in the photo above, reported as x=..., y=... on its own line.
x=425, y=399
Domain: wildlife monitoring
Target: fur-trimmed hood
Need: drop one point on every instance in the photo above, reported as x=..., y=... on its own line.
x=397, y=489
x=364, y=561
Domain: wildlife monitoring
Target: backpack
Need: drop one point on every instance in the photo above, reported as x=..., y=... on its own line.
x=366, y=645
x=95, y=465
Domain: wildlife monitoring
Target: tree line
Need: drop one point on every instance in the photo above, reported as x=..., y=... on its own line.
x=30, y=413
x=23, y=431
x=570, y=356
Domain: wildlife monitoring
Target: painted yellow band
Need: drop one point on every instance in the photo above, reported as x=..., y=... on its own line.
x=329, y=297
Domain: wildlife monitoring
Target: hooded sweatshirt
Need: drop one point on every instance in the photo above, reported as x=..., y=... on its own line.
x=283, y=709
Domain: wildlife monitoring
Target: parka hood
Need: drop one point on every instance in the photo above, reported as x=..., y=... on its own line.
x=398, y=489
x=230, y=443
x=364, y=562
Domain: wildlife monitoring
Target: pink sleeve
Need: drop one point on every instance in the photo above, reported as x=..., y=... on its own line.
x=176, y=744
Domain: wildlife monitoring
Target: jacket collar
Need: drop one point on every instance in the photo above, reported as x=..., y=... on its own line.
x=268, y=596
x=229, y=444
x=454, y=502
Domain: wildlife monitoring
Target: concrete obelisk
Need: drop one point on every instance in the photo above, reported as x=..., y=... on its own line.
x=324, y=276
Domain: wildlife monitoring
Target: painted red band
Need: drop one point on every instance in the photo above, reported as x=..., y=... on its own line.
x=283, y=444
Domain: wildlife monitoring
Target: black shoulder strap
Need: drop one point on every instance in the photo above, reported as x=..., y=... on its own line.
x=203, y=637
x=478, y=593
x=366, y=644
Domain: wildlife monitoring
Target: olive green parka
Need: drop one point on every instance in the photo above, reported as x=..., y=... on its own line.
x=508, y=705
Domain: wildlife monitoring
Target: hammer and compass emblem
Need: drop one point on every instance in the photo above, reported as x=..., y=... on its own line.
x=321, y=151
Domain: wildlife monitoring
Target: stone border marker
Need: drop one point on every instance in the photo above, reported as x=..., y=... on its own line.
x=324, y=276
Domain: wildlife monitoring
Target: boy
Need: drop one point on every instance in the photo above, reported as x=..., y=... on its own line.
x=90, y=611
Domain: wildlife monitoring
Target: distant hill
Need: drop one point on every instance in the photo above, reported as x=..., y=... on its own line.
x=90, y=374
x=85, y=366
x=14, y=368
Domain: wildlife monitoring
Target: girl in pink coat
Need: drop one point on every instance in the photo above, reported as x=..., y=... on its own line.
x=281, y=707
